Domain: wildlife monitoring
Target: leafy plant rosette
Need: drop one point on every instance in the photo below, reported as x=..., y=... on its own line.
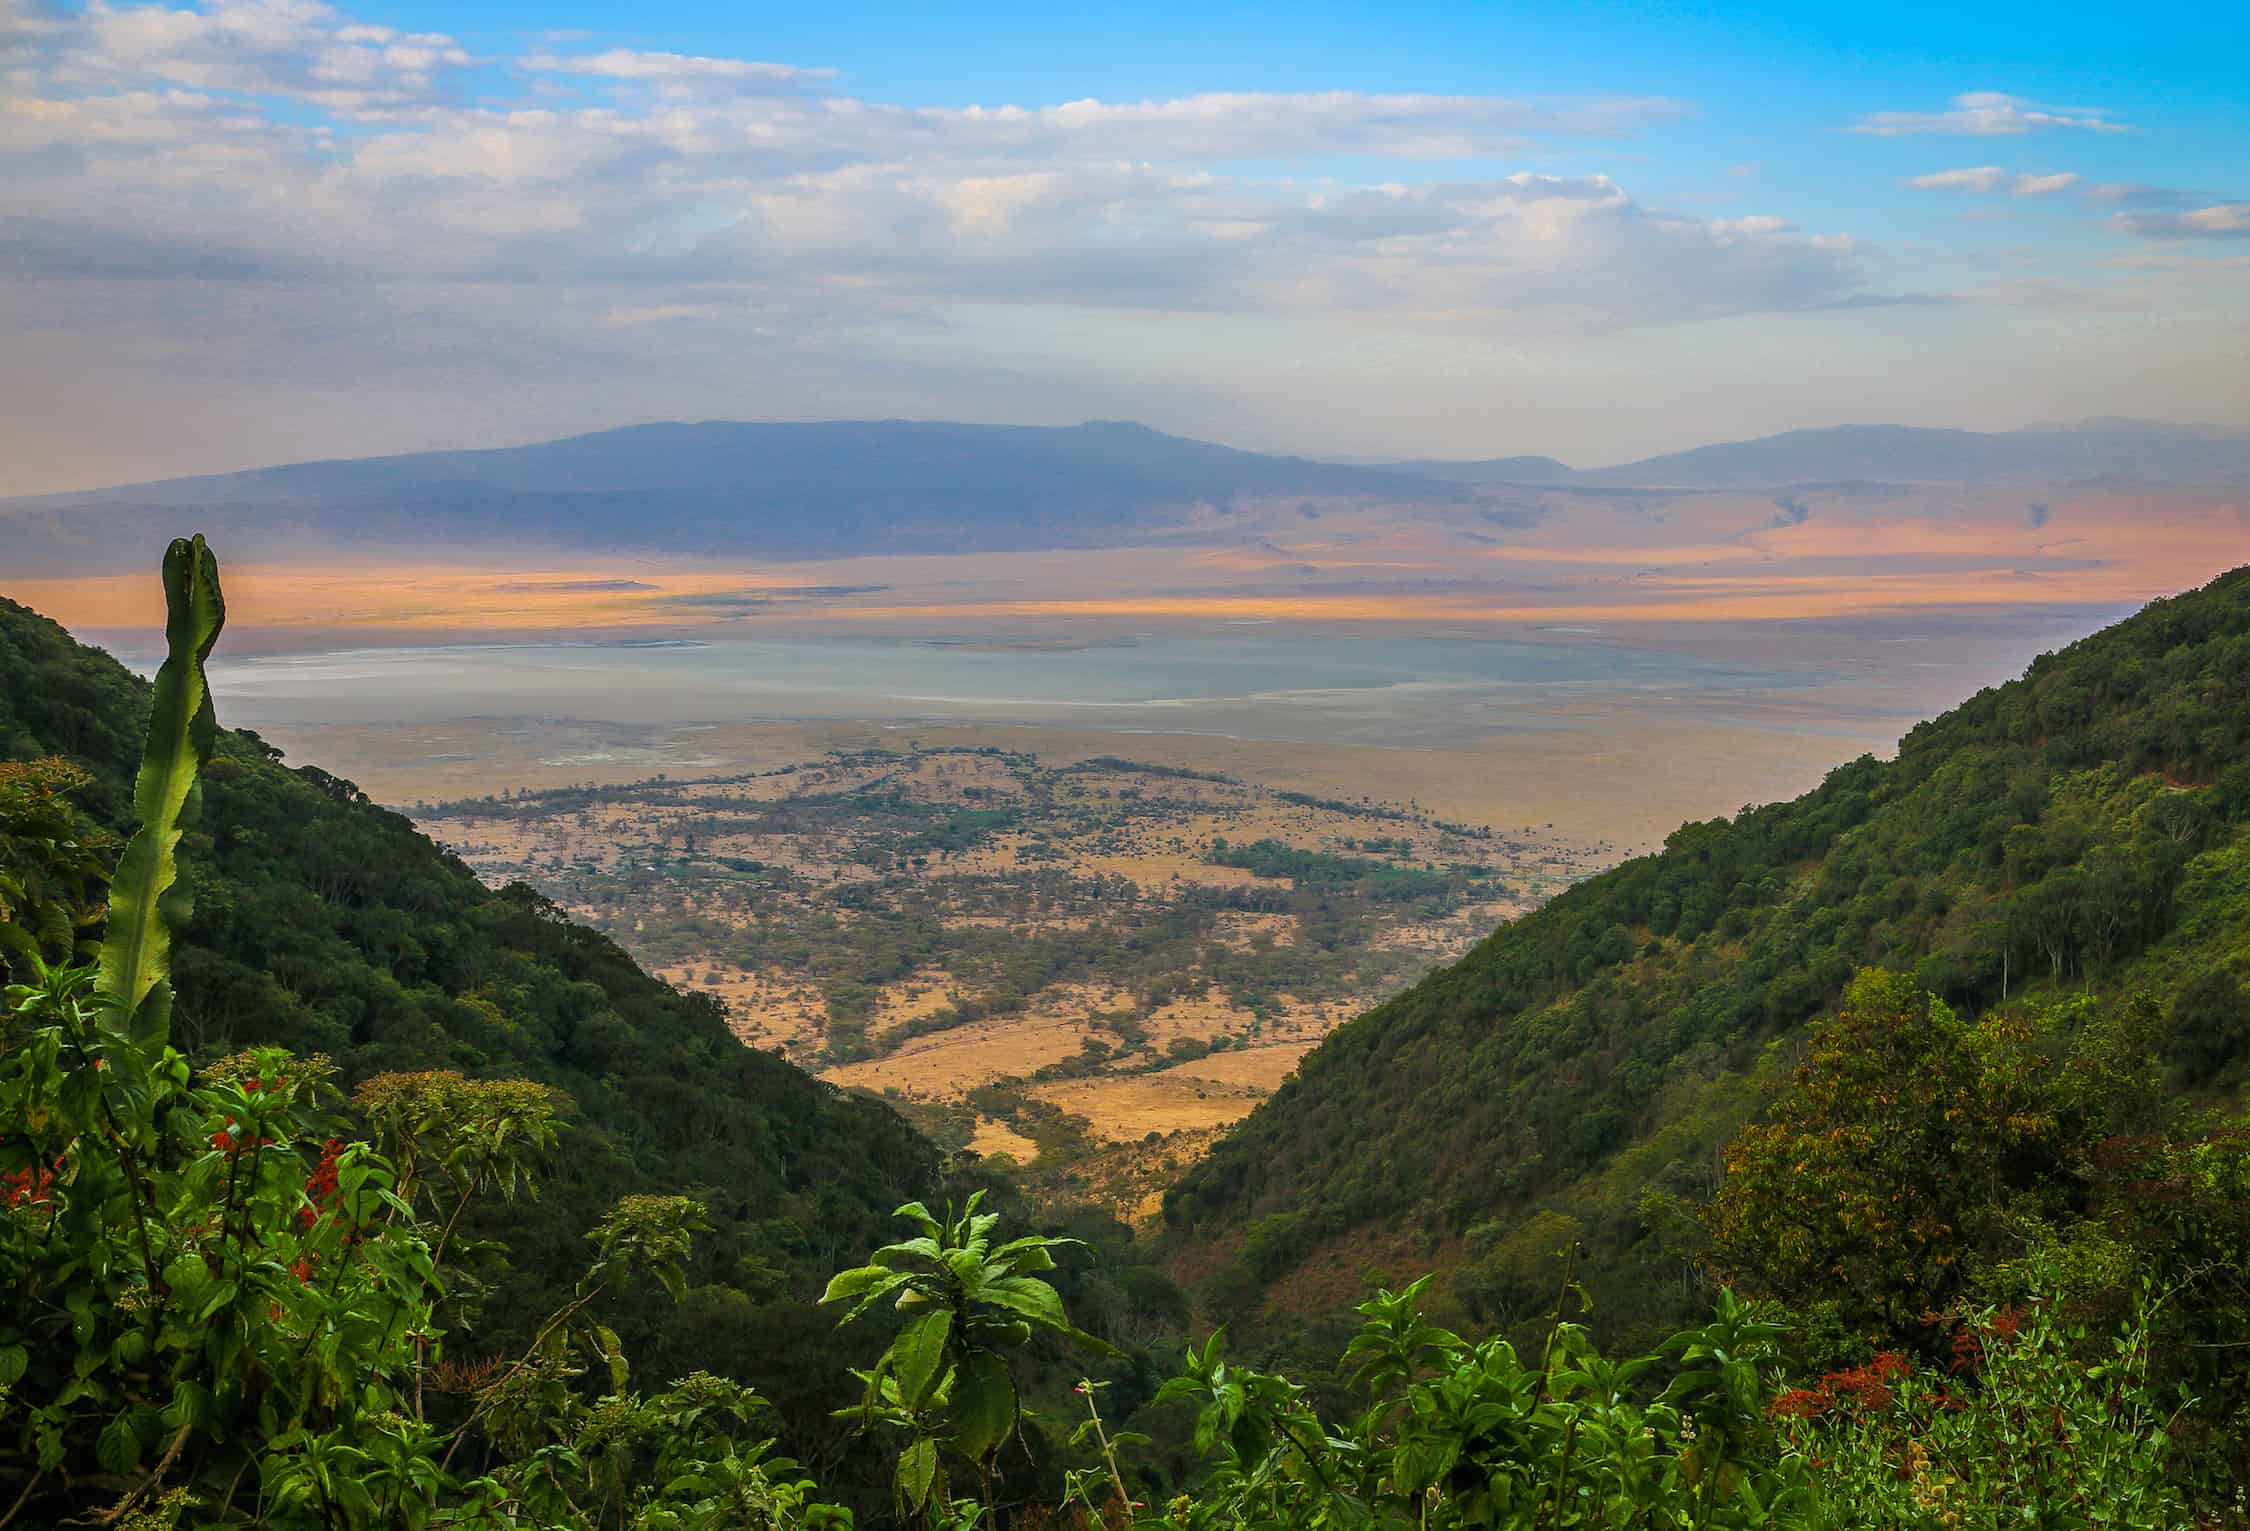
x=945, y=1381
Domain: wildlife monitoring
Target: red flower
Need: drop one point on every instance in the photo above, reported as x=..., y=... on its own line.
x=1968, y=1350
x=1867, y=1388
x=1801, y=1403
x=33, y=1186
x=322, y=1190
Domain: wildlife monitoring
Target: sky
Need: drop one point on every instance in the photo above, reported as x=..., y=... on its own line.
x=255, y=231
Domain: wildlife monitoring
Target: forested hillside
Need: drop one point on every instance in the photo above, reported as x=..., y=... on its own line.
x=325, y=924
x=1985, y=1263
x=2083, y=831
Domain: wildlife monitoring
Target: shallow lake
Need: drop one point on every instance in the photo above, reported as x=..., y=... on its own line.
x=1281, y=685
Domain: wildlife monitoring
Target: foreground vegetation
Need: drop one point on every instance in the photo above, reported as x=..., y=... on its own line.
x=317, y=922
x=1976, y=1273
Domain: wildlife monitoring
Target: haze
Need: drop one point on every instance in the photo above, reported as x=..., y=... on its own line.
x=254, y=231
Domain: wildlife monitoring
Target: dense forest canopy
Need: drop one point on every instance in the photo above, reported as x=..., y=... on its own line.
x=2085, y=829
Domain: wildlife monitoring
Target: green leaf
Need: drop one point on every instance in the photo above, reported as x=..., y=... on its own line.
x=145, y=903
x=188, y=1278
x=15, y=1360
x=117, y=1448
x=917, y=1466
x=855, y=1282
x=886, y=1282
x=191, y=1405
x=919, y=1215
x=918, y=1355
x=612, y=1352
x=984, y=1404
x=15, y=938
x=1029, y=1297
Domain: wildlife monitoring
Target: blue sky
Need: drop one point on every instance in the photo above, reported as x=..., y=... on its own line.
x=249, y=230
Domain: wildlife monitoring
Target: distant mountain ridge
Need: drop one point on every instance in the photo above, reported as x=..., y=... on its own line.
x=2137, y=451
x=824, y=489
x=842, y=488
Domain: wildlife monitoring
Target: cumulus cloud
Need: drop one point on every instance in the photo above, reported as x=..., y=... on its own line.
x=1989, y=114
x=687, y=186
x=270, y=198
x=296, y=49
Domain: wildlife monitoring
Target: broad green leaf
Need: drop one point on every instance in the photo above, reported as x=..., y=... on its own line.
x=854, y=1282
x=912, y=1249
x=191, y=1405
x=918, y=1355
x=1030, y=1297
x=919, y=1215
x=984, y=1404
x=117, y=1448
x=146, y=904
x=917, y=1466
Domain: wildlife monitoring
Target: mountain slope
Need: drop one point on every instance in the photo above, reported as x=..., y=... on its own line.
x=324, y=923
x=774, y=490
x=1575, y=1075
x=2131, y=451
x=843, y=488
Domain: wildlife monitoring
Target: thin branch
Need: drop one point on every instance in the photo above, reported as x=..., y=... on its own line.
x=116, y=1512
x=508, y=1376
x=22, y=1499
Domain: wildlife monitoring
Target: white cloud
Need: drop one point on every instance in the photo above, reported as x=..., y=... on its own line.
x=299, y=49
x=1991, y=178
x=2131, y=193
x=273, y=204
x=1989, y=114
x=2224, y=220
x=674, y=69
x=674, y=182
x=1980, y=178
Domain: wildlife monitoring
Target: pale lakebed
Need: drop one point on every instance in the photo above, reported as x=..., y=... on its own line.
x=1284, y=686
